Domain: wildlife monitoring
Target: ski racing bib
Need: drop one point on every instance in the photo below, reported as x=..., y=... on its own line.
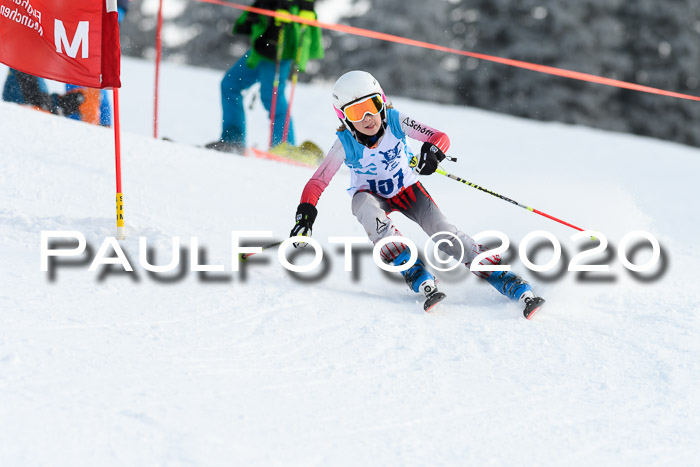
x=383, y=170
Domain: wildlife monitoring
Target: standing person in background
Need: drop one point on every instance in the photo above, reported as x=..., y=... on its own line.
x=23, y=88
x=258, y=65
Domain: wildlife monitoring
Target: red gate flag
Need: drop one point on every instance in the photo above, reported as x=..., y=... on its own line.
x=73, y=41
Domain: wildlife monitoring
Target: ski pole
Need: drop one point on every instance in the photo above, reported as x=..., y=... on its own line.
x=276, y=83
x=245, y=256
x=295, y=76
x=493, y=193
x=414, y=162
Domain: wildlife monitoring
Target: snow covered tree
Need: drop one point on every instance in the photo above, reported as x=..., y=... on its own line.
x=642, y=41
x=196, y=33
x=630, y=41
x=663, y=46
x=402, y=69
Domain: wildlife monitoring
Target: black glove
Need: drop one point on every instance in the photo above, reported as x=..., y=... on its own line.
x=69, y=103
x=306, y=215
x=430, y=157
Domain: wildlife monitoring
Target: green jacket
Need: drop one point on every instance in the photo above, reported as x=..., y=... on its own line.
x=265, y=34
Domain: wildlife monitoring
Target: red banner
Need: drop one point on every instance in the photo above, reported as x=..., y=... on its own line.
x=73, y=41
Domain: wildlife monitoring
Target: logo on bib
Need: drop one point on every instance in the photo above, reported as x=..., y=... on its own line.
x=391, y=157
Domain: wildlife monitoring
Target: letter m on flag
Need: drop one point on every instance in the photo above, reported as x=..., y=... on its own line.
x=80, y=40
x=73, y=41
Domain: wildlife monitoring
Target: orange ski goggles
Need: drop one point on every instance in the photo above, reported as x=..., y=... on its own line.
x=356, y=111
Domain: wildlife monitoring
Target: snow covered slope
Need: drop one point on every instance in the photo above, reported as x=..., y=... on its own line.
x=266, y=368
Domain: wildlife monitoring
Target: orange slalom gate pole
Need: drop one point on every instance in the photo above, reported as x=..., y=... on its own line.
x=288, y=116
x=159, y=47
x=295, y=77
x=276, y=85
x=118, y=162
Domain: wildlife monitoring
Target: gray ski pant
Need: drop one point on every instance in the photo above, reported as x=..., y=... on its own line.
x=416, y=204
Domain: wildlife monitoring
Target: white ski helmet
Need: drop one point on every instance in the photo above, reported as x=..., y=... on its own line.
x=353, y=86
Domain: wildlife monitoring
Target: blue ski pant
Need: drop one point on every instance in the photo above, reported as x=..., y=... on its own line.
x=105, y=107
x=12, y=92
x=240, y=77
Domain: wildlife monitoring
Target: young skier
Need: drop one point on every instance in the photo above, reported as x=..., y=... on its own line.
x=372, y=143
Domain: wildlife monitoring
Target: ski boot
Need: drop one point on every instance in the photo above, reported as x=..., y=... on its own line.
x=514, y=287
x=420, y=280
x=532, y=305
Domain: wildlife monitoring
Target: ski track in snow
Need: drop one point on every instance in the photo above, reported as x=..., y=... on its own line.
x=130, y=369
